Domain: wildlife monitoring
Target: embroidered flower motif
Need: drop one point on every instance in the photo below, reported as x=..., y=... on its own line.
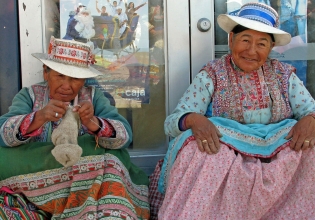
x=98, y=165
x=73, y=53
x=33, y=185
x=60, y=51
x=115, y=213
x=65, y=177
x=90, y=216
x=49, y=181
x=83, y=168
x=91, y=59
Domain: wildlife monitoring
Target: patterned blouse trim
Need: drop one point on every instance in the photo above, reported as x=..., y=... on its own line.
x=26, y=124
x=106, y=129
x=10, y=131
x=41, y=98
x=227, y=96
x=121, y=136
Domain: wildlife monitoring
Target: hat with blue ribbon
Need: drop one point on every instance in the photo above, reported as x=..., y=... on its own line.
x=258, y=17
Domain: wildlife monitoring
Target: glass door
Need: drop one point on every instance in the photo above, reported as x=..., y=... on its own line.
x=194, y=38
x=129, y=45
x=190, y=43
x=147, y=66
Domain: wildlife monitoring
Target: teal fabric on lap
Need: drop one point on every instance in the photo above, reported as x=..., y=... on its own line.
x=251, y=139
x=36, y=157
x=254, y=139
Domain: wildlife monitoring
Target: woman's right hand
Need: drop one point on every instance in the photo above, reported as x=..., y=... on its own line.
x=206, y=133
x=54, y=110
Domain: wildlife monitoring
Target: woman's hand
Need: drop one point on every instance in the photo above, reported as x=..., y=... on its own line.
x=86, y=113
x=302, y=134
x=53, y=111
x=205, y=132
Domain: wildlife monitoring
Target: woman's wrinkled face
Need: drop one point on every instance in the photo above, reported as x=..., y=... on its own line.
x=250, y=49
x=62, y=87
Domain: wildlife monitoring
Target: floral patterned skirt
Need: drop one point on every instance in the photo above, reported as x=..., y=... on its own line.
x=230, y=185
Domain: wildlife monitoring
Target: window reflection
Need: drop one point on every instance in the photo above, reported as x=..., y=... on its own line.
x=129, y=49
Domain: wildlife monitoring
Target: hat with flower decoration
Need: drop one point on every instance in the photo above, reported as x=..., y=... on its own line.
x=258, y=17
x=70, y=58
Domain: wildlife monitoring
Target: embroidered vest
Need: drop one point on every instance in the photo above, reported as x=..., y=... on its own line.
x=226, y=97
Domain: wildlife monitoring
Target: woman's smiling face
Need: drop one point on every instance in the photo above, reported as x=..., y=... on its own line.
x=62, y=87
x=250, y=49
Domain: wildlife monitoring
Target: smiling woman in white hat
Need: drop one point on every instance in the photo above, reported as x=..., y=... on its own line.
x=243, y=132
x=92, y=186
x=257, y=17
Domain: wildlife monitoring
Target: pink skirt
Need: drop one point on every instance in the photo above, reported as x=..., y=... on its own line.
x=234, y=186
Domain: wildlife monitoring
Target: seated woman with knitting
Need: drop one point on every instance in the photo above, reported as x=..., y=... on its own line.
x=243, y=132
x=94, y=180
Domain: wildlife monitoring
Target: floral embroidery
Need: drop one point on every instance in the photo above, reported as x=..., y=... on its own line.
x=236, y=92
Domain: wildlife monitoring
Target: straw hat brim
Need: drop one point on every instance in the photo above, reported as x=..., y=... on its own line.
x=68, y=70
x=228, y=22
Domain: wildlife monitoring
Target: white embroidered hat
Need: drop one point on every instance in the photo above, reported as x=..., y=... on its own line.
x=70, y=58
x=256, y=16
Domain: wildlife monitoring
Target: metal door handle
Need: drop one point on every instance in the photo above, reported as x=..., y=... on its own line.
x=203, y=24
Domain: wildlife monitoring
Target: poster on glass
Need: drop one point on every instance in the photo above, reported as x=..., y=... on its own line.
x=118, y=33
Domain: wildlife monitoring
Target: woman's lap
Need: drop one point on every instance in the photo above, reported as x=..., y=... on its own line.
x=229, y=185
x=106, y=184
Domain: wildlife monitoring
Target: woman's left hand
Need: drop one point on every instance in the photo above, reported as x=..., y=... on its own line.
x=86, y=113
x=302, y=134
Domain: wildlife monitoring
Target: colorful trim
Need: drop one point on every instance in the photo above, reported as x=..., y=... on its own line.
x=15, y=206
x=97, y=186
x=121, y=136
x=261, y=13
x=69, y=52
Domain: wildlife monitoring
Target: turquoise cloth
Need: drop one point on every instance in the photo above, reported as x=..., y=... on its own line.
x=251, y=139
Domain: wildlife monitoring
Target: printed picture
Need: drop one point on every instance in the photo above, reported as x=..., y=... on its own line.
x=117, y=31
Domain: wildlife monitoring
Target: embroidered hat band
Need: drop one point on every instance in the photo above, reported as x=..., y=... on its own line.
x=261, y=13
x=69, y=52
x=69, y=57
